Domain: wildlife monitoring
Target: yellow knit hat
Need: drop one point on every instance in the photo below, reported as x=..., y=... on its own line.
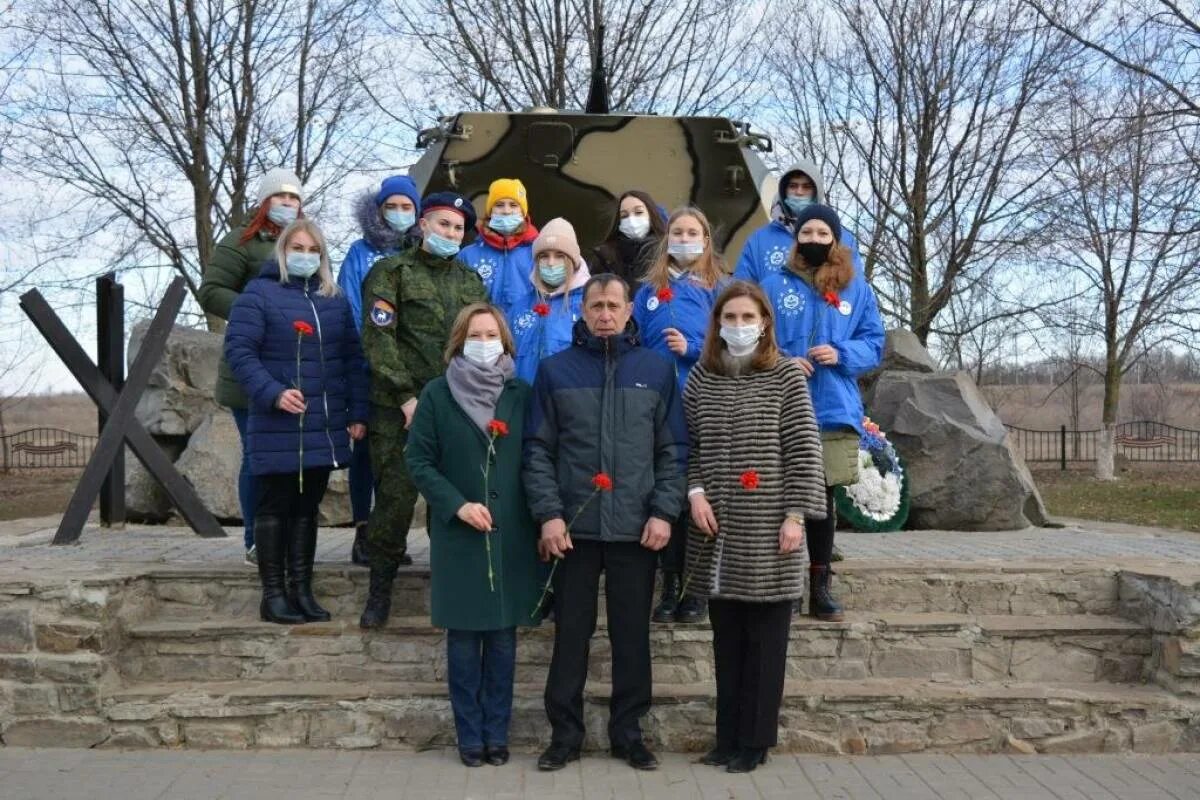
x=510, y=188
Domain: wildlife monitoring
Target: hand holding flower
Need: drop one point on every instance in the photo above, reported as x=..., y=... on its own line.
x=476, y=515
x=357, y=431
x=291, y=401
x=702, y=514
x=824, y=354
x=791, y=536
x=555, y=541
x=675, y=341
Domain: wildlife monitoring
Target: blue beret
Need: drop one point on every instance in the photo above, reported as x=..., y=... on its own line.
x=399, y=184
x=451, y=202
x=823, y=213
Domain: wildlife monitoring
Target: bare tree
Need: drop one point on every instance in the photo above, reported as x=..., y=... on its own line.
x=926, y=106
x=663, y=56
x=1126, y=220
x=161, y=115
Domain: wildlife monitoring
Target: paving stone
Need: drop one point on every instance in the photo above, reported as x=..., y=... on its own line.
x=223, y=735
x=50, y=732
x=16, y=631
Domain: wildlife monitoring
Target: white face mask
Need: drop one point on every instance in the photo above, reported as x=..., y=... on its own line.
x=685, y=252
x=635, y=227
x=483, y=353
x=741, y=339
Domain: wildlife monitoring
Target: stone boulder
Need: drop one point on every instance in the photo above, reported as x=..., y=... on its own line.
x=903, y=351
x=963, y=471
x=145, y=500
x=179, y=397
x=211, y=464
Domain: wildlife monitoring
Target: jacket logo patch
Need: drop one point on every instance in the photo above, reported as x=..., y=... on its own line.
x=651, y=303
x=776, y=257
x=383, y=313
x=844, y=308
x=791, y=303
x=525, y=321
x=485, y=269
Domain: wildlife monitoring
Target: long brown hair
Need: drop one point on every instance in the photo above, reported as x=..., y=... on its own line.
x=832, y=276
x=657, y=226
x=458, y=333
x=709, y=267
x=766, y=355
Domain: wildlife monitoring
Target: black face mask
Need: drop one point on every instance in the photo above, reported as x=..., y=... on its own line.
x=814, y=253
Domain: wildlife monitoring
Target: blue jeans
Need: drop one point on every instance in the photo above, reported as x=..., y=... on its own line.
x=362, y=482
x=480, y=665
x=247, y=485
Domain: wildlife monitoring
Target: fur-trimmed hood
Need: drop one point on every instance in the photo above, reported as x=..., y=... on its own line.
x=375, y=231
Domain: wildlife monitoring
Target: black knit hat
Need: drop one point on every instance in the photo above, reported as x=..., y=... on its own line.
x=451, y=202
x=823, y=213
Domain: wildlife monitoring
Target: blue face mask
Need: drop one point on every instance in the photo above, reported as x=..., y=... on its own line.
x=303, y=265
x=797, y=204
x=398, y=220
x=505, y=223
x=282, y=215
x=440, y=246
x=553, y=275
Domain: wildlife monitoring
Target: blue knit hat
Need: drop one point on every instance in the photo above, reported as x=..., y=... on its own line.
x=399, y=184
x=450, y=202
x=823, y=213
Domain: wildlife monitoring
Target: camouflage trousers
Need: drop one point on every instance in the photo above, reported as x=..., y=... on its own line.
x=395, y=494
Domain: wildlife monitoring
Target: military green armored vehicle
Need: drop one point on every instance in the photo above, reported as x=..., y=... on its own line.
x=576, y=164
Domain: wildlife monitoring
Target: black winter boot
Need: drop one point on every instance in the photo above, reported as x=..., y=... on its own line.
x=691, y=610
x=379, y=596
x=300, y=569
x=270, y=537
x=358, y=551
x=821, y=603
x=665, y=610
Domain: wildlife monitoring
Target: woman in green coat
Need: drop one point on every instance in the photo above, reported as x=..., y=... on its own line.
x=237, y=260
x=464, y=455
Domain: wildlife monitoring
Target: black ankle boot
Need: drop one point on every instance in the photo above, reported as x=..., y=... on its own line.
x=690, y=610
x=821, y=603
x=301, y=554
x=665, y=611
x=270, y=537
x=379, y=597
x=747, y=760
x=358, y=551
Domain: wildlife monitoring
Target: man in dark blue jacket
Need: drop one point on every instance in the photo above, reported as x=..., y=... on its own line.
x=603, y=408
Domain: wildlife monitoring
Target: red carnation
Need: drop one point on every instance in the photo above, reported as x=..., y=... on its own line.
x=498, y=427
x=833, y=299
x=602, y=482
x=303, y=328
x=749, y=480
x=542, y=310
x=665, y=295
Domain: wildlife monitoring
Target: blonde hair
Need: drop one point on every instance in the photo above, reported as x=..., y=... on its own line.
x=328, y=287
x=458, y=332
x=710, y=267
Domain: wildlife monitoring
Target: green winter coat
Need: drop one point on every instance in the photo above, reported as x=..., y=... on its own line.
x=231, y=267
x=410, y=301
x=445, y=455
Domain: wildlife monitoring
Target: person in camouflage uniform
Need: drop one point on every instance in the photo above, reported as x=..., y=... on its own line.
x=409, y=303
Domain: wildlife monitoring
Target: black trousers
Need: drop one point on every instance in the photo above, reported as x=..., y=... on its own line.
x=819, y=533
x=280, y=495
x=750, y=642
x=629, y=590
x=673, y=557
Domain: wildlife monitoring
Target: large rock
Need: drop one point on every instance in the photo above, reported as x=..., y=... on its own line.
x=145, y=499
x=179, y=396
x=211, y=463
x=903, y=351
x=963, y=471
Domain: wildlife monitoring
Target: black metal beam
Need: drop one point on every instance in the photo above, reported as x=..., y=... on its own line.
x=110, y=358
x=102, y=393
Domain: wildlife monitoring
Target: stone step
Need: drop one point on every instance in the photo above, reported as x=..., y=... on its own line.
x=824, y=716
x=866, y=645
x=954, y=587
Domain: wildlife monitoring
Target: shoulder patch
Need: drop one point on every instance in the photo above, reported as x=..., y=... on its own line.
x=383, y=313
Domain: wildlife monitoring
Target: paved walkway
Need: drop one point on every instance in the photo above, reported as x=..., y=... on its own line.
x=342, y=775
x=28, y=541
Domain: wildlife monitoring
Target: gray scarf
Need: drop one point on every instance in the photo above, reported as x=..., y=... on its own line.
x=477, y=389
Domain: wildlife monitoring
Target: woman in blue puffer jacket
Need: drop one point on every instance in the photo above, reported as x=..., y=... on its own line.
x=292, y=344
x=542, y=323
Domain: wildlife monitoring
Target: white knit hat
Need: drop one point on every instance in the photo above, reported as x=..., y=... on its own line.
x=278, y=181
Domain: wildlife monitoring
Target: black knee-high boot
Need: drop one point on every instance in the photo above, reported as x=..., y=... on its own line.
x=301, y=554
x=270, y=539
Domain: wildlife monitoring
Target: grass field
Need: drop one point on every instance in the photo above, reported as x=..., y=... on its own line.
x=1162, y=495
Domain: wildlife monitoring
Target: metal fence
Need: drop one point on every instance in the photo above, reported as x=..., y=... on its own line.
x=45, y=448
x=1143, y=440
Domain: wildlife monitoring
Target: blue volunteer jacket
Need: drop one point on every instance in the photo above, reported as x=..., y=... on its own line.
x=803, y=319
x=538, y=336
x=688, y=312
x=379, y=241
x=261, y=346
x=503, y=263
x=766, y=251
